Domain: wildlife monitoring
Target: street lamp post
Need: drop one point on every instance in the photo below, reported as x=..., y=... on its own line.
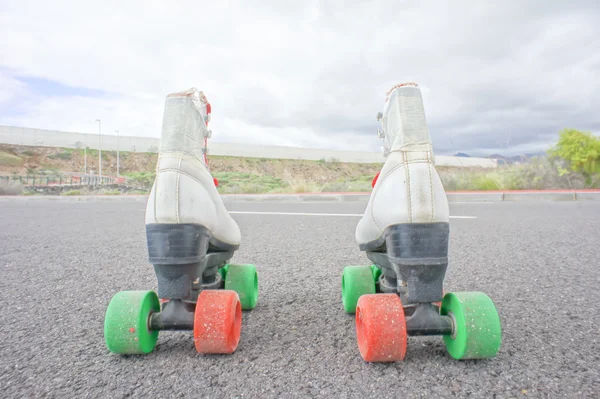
x=117, y=152
x=99, y=149
x=85, y=153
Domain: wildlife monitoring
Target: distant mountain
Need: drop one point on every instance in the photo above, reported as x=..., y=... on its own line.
x=540, y=154
x=461, y=154
x=516, y=158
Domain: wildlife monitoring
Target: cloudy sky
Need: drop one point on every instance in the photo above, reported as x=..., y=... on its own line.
x=495, y=78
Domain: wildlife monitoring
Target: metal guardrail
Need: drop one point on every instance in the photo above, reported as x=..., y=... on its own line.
x=63, y=180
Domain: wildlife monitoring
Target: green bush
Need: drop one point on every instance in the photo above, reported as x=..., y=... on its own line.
x=538, y=174
x=247, y=183
x=304, y=186
x=357, y=184
x=7, y=159
x=486, y=182
x=580, y=151
x=65, y=156
x=90, y=152
x=142, y=179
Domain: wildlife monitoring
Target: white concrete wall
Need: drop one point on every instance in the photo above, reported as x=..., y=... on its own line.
x=54, y=138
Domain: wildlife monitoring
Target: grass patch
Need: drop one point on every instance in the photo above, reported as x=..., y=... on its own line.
x=248, y=183
x=7, y=159
x=304, y=186
x=112, y=192
x=538, y=174
x=142, y=179
x=46, y=169
x=28, y=153
x=486, y=183
x=358, y=184
x=64, y=155
x=93, y=153
x=72, y=192
x=90, y=152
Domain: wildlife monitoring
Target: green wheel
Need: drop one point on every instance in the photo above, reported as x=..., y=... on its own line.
x=477, y=332
x=376, y=272
x=126, y=322
x=357, y=281
x=242, y=279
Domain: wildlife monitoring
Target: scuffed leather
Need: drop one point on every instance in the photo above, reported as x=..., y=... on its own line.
x=184, y=192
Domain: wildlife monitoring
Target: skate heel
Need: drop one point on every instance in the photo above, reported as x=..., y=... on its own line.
x=176, y=244
x=177, y=252
x=414, y=261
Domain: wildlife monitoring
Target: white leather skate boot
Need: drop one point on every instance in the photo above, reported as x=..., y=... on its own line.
x=191, y=239
x=185, y=216
x=405, y=232
x=405, y=226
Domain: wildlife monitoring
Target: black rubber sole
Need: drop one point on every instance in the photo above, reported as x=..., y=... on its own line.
x=412, y=240
x=186, y=259
x=180, y=244
x=413, y=259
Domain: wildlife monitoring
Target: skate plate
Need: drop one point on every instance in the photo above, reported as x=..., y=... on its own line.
x=402, y=295
x=206, y=296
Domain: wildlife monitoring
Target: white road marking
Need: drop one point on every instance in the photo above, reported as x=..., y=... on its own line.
x=320, y=214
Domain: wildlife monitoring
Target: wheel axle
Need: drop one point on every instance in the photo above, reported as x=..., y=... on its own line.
x=175, y=315
x=426, y=320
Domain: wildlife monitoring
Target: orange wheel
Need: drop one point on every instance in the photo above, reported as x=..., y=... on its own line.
x=217, y=321
x=381, y=328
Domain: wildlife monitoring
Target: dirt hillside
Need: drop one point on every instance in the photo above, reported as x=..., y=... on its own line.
x=279, y=174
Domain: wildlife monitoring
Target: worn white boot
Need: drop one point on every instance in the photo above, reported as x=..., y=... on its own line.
x=186, y=219
x=405, y=227
x=191, y=239
x=184, y=192
x=405, y=231
x=408, y=188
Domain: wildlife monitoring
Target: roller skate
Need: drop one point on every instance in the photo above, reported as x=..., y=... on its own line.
x=405, y=234
x=190, y=239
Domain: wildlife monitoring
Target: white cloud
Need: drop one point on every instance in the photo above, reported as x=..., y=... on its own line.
x=309, y=73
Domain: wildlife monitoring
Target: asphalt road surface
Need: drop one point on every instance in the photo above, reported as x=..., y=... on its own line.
x=62, y=262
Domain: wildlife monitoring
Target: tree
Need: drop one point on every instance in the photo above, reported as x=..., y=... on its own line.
x=580, y=150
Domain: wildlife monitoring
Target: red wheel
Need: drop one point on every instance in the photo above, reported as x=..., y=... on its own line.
x=217, y=321
x=381, y=328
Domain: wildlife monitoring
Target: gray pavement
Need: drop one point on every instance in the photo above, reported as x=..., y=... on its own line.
x=61, y=263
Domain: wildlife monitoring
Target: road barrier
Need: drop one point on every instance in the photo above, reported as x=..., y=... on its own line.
x=58, y=180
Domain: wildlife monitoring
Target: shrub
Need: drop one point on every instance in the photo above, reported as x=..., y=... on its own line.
x=7, y=159
x=65, y=155
x=142, y=179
